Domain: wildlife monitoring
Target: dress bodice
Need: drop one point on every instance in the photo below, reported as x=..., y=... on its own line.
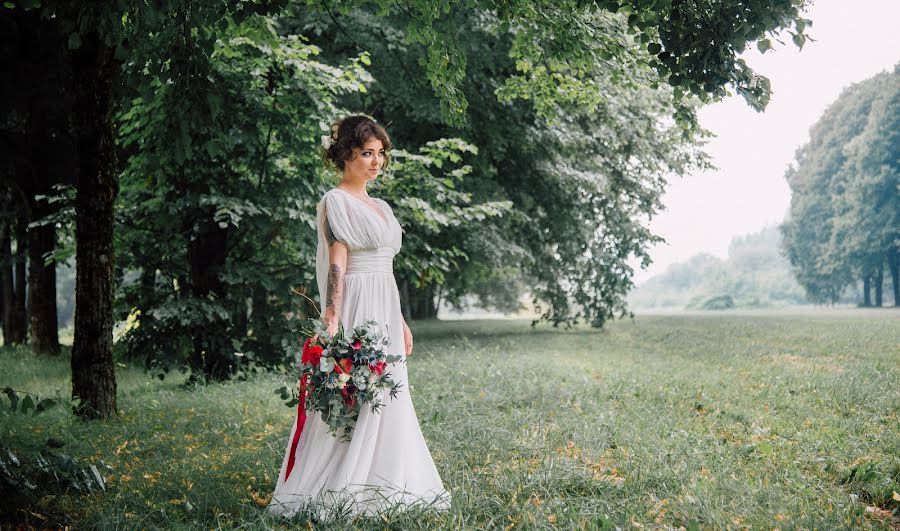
x=368, y=235
x=357, y=224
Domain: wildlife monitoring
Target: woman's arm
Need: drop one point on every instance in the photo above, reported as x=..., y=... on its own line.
x=337, y=258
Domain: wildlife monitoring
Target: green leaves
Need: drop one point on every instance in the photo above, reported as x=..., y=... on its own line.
x=74, y=41
x=226, y=166
x=27, y=405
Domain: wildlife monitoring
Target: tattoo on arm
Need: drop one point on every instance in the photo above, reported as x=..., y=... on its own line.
x=334, y=291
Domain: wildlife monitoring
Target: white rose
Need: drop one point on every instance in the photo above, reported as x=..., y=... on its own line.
x=343, y=377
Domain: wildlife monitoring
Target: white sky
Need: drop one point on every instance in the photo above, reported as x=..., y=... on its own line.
x=854, y=40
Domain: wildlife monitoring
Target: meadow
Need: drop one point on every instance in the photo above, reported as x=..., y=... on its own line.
x=697, y=421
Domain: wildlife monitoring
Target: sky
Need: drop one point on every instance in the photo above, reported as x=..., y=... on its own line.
x=853, y=41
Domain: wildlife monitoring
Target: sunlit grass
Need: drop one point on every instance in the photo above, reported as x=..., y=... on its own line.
x=665, y=422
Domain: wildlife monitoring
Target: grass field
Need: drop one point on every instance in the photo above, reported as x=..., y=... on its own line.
x=696, y=422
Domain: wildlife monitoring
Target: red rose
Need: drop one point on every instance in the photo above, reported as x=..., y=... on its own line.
x=311, y=354
x=347, y=394
x=343, y=366
x=378, y=368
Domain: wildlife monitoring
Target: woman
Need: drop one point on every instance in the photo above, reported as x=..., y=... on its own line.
x=386, y=463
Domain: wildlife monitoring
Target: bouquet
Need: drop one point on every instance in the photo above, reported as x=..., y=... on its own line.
x=340, y=374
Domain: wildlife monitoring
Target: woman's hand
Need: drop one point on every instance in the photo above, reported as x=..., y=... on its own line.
x=407, y=339
x=331, y=323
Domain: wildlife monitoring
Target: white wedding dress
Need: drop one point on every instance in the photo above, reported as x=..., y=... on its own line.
x=387, y=462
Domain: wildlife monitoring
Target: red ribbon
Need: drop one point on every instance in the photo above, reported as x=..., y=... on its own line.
x=301, y=420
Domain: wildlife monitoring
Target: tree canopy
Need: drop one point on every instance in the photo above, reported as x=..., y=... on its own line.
x=844, y=222
x=535, y=139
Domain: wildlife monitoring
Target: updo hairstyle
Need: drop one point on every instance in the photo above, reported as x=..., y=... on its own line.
x=353, y=132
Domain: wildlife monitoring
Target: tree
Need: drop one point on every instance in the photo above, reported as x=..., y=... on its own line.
x=581, y=211
x=870, y=208
x=556, y=54
x=236, y=184
x=843, y=220
x=13, y=285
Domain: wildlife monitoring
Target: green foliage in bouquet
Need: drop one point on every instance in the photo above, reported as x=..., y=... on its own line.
x=341, y=373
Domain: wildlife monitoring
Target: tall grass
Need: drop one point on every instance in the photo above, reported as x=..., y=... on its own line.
x=698, y=422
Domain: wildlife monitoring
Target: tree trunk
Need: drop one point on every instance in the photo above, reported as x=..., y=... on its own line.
x=894, y=265
x=206, y=255
x=93, y=371
x=867, y=300
x=6, y=280
x=422, y=303
x=42, y=288
x=431, y=299
x=879, y=283
x=18, y=332
x=405, y=303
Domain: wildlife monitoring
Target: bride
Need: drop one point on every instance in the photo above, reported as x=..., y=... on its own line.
x=387, y=462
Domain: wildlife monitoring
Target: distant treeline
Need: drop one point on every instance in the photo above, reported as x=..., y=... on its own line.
x=755, y=275
x=844, y=222
x=842, y=234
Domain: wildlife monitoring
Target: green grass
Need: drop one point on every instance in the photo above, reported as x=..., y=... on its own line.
x=697, y=421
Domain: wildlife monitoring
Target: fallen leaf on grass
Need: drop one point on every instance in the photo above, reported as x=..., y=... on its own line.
x=613, y=477
x=895, y=496
x=262, y=501
x=658, y=511
x=552, y=518
x=121, y=447
x=570, y=450
x=878, y=512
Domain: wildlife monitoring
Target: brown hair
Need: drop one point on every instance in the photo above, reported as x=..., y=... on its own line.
x=353, y=132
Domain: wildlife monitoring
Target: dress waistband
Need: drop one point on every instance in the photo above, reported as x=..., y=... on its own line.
x=379, y=260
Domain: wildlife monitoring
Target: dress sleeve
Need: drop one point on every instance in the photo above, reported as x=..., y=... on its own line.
x=332, y=224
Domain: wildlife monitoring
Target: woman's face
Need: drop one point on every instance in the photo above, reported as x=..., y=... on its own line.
x=368, y=160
